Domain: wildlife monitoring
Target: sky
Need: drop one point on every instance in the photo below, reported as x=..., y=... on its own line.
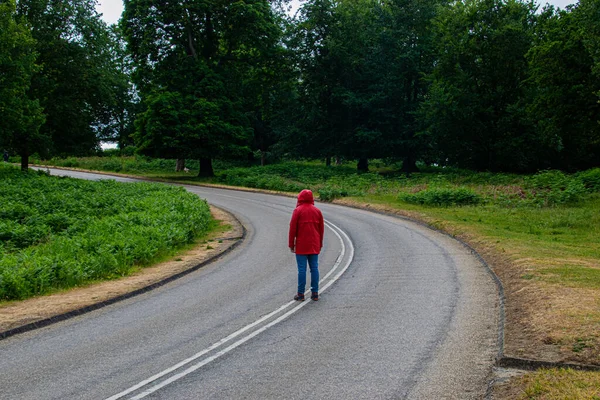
x=112, y=9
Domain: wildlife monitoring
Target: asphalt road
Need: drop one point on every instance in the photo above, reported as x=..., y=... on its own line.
x=405, y=313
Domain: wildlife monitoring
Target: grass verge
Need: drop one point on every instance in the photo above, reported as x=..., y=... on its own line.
x=552, y=384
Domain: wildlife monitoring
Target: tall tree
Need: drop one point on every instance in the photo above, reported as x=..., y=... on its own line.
x=117, y=114
x=564, y=103
x=318, y=110
x=191, y=60
x=404, y=53
x=20, y=115
x=588, y=14
x=362, y=63
x=474, y=113
x=268, y=91
x=73, y=85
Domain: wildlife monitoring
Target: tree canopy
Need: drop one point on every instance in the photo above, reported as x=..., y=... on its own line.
x=21, y=116
x=497, y=85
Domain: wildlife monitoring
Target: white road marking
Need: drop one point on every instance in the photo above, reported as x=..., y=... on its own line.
x=239, y=332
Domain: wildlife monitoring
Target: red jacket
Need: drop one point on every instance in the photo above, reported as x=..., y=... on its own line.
x=307, y=226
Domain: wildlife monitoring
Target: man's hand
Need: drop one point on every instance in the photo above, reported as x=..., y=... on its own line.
x=292, y=249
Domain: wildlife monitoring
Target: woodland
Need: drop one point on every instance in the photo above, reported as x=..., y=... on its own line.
x=485, y=85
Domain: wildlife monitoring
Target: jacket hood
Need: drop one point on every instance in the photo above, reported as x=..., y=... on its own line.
x=305, y=197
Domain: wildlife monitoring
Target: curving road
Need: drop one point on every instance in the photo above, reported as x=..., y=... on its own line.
x=406, y=313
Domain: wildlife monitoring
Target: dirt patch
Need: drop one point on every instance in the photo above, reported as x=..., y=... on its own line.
x=17, y=314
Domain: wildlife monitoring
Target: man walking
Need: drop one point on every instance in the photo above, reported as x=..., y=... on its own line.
x=306, y=240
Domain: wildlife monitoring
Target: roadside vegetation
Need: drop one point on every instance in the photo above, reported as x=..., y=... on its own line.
x=485, y=85
x=540, y=230
x=57, y=233
x=559, y=385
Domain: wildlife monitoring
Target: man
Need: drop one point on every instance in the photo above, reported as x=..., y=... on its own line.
x=306, y=240
x=5, y=156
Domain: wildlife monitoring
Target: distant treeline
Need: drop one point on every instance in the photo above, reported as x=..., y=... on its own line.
x=497, y=85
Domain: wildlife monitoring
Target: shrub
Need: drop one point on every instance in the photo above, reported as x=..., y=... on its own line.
x=590, y=179
x=110, y=153
x=550, y=188
x=331, y=193
x=442, y=197
x=60, y=232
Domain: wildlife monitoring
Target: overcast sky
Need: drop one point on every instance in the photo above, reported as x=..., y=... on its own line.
x=112, y=9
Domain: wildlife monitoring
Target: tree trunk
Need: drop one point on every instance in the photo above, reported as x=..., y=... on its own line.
x=206, y=169
x=409, y=165
x=262, y=158
x=24, y=158
x=180, y=166
x=363, y=164
x=328, y=161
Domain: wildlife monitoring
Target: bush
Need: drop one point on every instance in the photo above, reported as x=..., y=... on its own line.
x=61, y=232
x=442, y=197
x=331, y=193
x=550, y=188
x=110, y=153
x=590, y=179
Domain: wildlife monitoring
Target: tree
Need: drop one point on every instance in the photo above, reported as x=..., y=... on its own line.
x=404, y=53
x=331, y=41
x=74, y=84
x=564, y=104
x=119, y=110
x=315, y=133
x=20, y=116
x=190, y=67
x=474, y=115
x=362, y=62
x=588, y=14
x=268, y=92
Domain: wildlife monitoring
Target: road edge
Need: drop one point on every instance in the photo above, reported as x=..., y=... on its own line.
x=502, y=361
x=92, y=307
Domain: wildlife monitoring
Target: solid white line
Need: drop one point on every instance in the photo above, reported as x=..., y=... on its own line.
x=245, y=339
x=238, y=332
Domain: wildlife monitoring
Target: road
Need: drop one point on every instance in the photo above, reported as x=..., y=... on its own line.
x=404, y=313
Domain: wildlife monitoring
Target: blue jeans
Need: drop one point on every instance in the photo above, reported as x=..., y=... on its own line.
x=313, y=262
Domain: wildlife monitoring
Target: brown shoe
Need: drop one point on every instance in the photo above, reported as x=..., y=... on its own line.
x=299, y=297
x=315, y=296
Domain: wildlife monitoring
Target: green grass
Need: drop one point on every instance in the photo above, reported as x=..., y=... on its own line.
x=557, y=232
x=129, y=164
x=57, y=233
x=573, y=275
x=561, y=384
x=546, y=215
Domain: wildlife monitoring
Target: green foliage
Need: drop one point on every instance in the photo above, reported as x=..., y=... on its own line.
x=472, y=115
x=257, y=178
x=193, y=70
x=81, y=83
x=550, y=188
x=590, y=179
x=563, y=101
x=21, y=115
x=60, y=232
x=443, y=197
x=545, y=189
x=331, y=193
x=131, y=164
